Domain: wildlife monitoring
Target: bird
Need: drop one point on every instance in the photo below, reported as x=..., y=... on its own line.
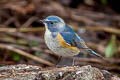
x=62, y=39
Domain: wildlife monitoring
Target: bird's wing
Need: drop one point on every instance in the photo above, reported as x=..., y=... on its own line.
x=73, y=39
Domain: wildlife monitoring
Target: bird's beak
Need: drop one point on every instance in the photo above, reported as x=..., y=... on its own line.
x=44, y=21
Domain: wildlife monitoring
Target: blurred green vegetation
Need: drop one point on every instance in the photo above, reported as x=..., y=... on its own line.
x=111, y=47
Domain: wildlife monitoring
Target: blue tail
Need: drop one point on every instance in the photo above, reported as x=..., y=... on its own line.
x=94, y=53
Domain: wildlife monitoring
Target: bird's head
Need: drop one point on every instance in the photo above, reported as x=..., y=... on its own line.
x=54, y=23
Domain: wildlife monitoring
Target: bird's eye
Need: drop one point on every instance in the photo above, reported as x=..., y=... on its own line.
x=51, y=22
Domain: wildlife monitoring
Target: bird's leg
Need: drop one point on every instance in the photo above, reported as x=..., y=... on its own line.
x=73, y=61
x=60, y=57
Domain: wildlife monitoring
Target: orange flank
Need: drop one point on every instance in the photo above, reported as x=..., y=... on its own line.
x=64, y=44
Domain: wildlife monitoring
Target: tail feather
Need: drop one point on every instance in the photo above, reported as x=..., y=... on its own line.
x=94, y=53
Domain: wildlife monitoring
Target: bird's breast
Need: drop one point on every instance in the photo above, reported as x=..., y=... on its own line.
x=58, y=46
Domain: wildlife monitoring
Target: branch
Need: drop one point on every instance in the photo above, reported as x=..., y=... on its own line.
x=3, y=46
x=100, y=28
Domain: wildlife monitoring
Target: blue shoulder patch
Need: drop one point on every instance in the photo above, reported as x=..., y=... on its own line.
x=68, y=29
x=72, y=38
x=69, y=38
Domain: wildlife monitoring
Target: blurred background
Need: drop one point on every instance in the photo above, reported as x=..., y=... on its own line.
x=22, y=36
